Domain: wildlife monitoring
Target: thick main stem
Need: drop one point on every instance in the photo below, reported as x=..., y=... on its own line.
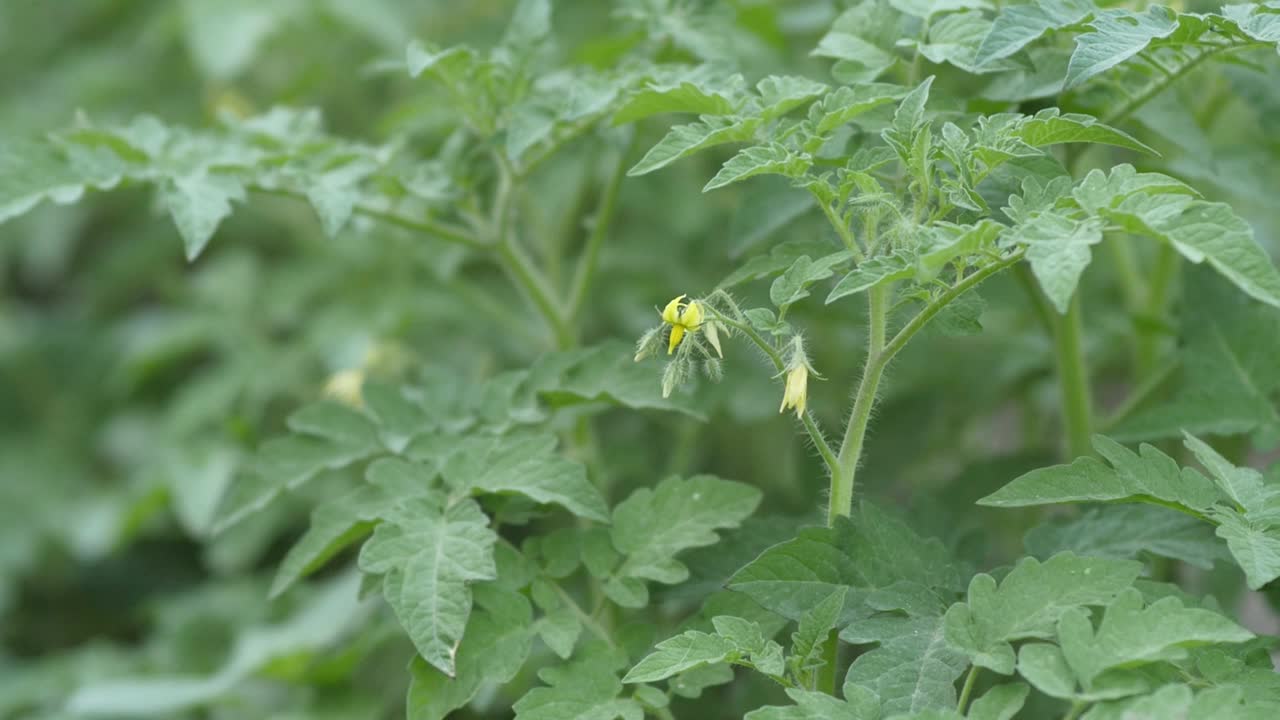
x=842, y=479
x=1073, y=380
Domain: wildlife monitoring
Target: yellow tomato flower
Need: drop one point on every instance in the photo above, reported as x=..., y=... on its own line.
x=682, y=317
x=796, y=392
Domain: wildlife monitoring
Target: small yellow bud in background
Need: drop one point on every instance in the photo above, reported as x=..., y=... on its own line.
x=345, y=387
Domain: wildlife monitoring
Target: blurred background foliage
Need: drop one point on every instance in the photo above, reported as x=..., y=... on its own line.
x=134, y=385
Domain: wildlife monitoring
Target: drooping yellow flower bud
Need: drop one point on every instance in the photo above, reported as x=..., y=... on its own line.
x=797, y=370
x=682, y=317
x=796, y=393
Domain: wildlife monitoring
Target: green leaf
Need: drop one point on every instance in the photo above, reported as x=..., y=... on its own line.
x=329, y=436
x=869, y=551
x=680, y=653
x=793, y=285
x=849, y=47
x=698, y=96
x=1176, y=701
x=653, y=525
x=914, y=669
x=774, y=159
x=845, y=103
x=1058, y=249
x=807, y=640
x=1228, y=374
x=875, y=271
x=685, y=140
x=1255, y=544
x=1050, y=127
x=198, y=203
x=1244, y=486
x=530, y=23
x=32, y=172
x=1146, y=476
x=1126, y=531
x=497, y=641
x=780, y=94
x=1017, y=26
x=821, y=706
x=1131, y=635
x=1099, y=190
x=585, y=689
x=1117, y=36
x=334, y=525
x=1029, y=602
x=429, y=555
x=527, y=465
x=1044, y=666
x=1001, y=702
x=1204, y=231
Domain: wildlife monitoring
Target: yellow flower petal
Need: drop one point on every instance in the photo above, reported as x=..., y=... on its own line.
x=692, y=316
x=677, y=332
x=671, y=313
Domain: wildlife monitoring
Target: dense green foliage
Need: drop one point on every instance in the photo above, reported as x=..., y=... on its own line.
x=342, y=375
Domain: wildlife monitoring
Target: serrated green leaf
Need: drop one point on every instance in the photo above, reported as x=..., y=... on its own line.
x=429, y=555
x=699, y=97
x=774, y=159
x=1148, y=475
x=1203, y=231
x=848, y=102
x=875, y=271
x=849, y=47
x=793, y=285
x=681, y=653
x=1001, y=702
x=685, y=140
x=914, y=669
x=334, y=525
x=585, y=689
x=1244, y=486
x=559, y=629
x=653, y=525
x=497, y=641
x=1176, y=701
x=1131, y=634
x=1029, y=602
x=780, y=94
x=198, y=203
x=1126, y=531
x=744, y=634
x=1117, y=36
x=527, y=465
x=1099, y=190
x=1017, y=26
x=806, y=641
x=1058, y=249
x=870, y=551
x=1254, y=543
x=1044, y=666
x=1051, y=127
x=861, y=705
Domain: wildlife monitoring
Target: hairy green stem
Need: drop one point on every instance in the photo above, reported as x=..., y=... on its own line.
x=1074, y=711
x=879, y=354
x=967, y=689
x=1073, y=380
x=855, y=432
x=816, y=435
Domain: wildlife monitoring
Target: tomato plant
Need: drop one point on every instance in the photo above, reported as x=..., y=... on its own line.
x=778, y=359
